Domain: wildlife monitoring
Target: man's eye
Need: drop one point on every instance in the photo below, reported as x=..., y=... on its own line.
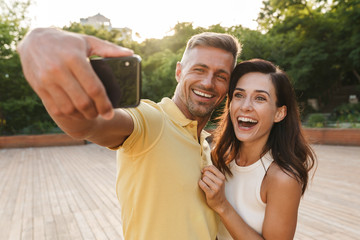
x=199, y=70
x=221, y=77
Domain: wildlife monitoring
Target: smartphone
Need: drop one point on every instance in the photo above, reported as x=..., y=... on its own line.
x=121, y=77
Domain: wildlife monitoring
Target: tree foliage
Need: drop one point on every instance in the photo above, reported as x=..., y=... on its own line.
x=317, y=42
x=21, y=111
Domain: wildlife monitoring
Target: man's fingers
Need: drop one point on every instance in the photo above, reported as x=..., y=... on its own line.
x=70, y=97
x=79, y=98
x=88, y=79
x=103, y=48
x=93, y=88
x=66, y=73
x=58, y=102
x=51, y=107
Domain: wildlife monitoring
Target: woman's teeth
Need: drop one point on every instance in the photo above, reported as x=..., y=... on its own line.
x=246, y=122
x=244, y=119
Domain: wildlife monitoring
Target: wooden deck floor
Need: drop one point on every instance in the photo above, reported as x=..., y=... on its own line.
x=69, y=193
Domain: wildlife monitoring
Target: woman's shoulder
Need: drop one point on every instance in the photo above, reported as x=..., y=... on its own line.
x=278, y=180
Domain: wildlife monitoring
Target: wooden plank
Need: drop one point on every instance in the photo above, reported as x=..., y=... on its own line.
x=69, y=193
x=329, y=208
x=39, y=228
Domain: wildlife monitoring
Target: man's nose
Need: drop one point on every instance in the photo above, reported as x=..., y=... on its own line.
x=208, y=80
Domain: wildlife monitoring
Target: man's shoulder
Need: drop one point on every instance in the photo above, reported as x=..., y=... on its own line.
x=145, y=105
x=147, y=101
x=150, y=105
x=146, y=111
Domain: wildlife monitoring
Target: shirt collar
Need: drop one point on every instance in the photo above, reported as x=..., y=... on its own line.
x=172, y=110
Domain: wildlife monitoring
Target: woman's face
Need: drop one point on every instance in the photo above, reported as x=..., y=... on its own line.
x=253, y=109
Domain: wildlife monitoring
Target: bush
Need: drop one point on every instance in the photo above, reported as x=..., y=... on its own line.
x=346, y=113
x=24, y=116
x=316, y=120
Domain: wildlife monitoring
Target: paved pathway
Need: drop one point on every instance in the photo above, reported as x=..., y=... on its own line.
x=69, y=193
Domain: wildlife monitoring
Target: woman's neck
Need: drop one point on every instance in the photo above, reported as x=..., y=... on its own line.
x=249, y=153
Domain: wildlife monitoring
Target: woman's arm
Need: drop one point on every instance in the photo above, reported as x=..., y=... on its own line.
x=282, y=197
x=281, y=193
x=212, y=183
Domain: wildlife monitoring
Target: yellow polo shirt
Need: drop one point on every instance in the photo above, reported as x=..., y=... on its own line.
x=158, y=169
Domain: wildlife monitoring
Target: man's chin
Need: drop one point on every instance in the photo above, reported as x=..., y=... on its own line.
x=201, y=112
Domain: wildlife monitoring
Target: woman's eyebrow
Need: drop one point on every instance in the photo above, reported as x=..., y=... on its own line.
x=259, y=91
x=263, y=91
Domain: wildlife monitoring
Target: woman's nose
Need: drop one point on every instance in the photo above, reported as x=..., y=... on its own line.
x=246, y=104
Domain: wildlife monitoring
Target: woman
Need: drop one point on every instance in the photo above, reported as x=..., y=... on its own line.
x=262, y=159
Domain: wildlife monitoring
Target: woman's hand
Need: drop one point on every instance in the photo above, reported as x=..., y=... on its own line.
x=212, y=182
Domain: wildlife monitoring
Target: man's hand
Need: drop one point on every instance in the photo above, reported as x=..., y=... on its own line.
x=56, y=65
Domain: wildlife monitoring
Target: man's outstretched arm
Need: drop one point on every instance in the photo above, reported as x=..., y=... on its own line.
x=56, y=65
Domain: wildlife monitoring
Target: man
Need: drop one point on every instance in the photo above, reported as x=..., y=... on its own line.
x=161, y=147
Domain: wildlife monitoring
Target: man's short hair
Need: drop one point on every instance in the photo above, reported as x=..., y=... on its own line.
x=223, y=41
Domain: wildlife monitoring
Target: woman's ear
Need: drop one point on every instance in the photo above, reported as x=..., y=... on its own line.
x=281, y=113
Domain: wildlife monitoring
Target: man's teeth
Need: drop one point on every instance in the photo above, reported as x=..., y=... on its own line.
x=244, y=119
x=202, y=94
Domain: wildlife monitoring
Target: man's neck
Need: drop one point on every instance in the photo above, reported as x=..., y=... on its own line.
x=201, y=121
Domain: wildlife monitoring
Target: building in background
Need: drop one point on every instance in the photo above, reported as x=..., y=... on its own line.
x=99, y=20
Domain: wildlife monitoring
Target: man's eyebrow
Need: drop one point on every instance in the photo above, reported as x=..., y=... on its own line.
x=259, y=91
x=224, y=71
x=201, y=65
x=207, y=67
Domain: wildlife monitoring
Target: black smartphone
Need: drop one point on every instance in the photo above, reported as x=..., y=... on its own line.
x=121, y=77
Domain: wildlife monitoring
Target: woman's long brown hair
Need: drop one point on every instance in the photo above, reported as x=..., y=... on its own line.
x=290, y=150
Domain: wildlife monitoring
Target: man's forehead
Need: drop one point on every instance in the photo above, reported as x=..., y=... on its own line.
x=209, y=56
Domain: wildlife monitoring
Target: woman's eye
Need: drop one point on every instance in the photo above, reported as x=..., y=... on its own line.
x=238, y=95
x=260, y=98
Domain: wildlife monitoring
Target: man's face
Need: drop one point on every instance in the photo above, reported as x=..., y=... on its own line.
x=203, y=79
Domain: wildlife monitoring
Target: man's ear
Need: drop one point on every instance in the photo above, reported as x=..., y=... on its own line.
x=178, y=71
x=281, y=113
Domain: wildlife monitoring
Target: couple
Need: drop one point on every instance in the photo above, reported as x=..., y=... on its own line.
x=166, y=183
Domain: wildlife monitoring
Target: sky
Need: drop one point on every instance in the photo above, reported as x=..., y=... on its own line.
x=149, y=18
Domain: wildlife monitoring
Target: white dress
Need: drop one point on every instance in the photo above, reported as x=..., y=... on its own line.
x=242, y=190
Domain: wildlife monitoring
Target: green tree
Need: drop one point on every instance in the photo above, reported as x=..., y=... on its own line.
x=346, y=17
x=159, y=75
x=114, y=35
x=20, y=109
x=316, y=42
